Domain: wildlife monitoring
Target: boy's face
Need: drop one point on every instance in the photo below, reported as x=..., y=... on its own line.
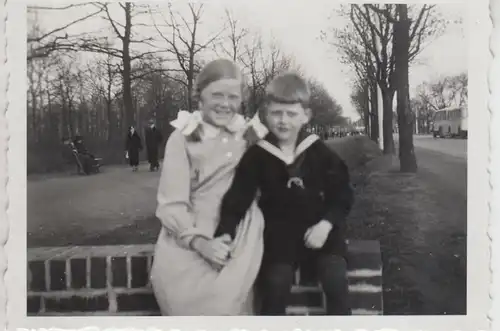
x=286, y=120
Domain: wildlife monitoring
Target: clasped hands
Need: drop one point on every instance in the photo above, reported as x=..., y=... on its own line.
x=216, y=252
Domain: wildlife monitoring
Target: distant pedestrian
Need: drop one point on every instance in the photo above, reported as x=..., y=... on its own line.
x=86, y=160
x=133, y=146
x=153, y=142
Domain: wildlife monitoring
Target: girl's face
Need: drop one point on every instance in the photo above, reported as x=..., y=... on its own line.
x=220, y=100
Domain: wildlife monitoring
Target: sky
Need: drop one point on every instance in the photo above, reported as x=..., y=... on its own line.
x=297, y=27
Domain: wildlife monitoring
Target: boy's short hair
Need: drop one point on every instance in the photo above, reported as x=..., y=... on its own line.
x=288, y=87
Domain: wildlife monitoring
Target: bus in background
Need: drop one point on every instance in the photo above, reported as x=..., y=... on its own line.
x=450, y=122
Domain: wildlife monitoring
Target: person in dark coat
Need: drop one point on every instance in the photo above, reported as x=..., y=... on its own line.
x=153, y=141
x=305, y=195
x=86, y=159
x=133, y=146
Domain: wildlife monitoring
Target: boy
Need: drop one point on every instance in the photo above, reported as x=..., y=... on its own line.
x=304, y=195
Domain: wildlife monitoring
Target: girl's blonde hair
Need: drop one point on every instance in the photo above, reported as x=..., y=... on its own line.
x=214, y=71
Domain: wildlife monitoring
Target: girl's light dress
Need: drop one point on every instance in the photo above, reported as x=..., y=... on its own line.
x=195, y=175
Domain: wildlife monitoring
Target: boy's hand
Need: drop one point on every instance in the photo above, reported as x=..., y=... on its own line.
x=317, y=234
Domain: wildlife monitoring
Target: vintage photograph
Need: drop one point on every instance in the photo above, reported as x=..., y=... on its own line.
x=228, y=159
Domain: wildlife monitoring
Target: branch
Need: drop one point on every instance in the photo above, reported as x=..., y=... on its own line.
x=112, y=22
x=366, y=42
x=386, y=14
x=153, y=71
x=56, y=8
x=39, y=39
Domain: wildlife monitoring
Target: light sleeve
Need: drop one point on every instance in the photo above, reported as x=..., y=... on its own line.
x=174, y=192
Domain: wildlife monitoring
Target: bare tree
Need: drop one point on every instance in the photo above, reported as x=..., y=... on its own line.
x=372, y=30
x=124, y=52
x=181, y=35
x=262, y=62
x=407, y=158
x=353, y=53
x=43, y=43
x=233, y=43
x=102, y=77
x=361, y=102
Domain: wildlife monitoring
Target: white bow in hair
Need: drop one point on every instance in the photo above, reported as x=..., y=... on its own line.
x=187, y=122
x=259, y=128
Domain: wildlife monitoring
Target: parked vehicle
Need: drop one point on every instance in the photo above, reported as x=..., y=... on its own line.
x=450, y=122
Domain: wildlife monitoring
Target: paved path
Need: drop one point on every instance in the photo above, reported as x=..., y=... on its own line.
x=452, y=147
x=66, y=209
x=445, y=160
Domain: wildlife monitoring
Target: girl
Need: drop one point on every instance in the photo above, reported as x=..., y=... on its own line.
x=133, y=146
x=200, y=158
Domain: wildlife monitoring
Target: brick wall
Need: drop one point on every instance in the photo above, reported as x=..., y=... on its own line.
x=114, y=280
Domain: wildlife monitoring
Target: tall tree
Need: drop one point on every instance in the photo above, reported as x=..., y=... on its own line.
x=182, y=37
x=123, y=30
x=371, y=29
x=233, y=43
x=407, y=158
x=326, y=110
x=361, y=102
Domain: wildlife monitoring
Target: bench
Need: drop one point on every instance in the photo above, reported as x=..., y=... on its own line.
x=114, y=280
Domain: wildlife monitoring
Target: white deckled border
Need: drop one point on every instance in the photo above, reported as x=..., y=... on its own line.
x=4, y=177
x=17, y=262
x=494, y=165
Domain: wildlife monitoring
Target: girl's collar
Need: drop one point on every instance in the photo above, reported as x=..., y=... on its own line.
x=192, y=124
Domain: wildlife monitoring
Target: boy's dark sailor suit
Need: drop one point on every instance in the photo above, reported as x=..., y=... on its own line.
x=293, y=194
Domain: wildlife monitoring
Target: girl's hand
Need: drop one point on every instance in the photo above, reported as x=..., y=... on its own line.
x=215, y=251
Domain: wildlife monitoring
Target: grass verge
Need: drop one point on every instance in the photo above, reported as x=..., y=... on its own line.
x=422, y=231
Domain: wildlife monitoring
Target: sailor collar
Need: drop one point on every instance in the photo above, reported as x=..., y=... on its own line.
x=304, y=141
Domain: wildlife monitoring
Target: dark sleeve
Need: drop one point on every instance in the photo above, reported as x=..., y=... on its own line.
x=339, y=195
x=240, y=195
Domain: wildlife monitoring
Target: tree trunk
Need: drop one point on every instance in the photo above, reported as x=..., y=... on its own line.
x=110, y=121
x=407, y=159
x=366, y=110
x=374, y=113
x=388, y=97
x=127, y=67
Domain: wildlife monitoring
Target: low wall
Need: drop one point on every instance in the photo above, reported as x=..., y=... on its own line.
x=114, y=280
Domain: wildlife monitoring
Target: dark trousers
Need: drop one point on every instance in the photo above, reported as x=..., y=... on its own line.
x=153, y=158
x=87, y=162
x=276, y=280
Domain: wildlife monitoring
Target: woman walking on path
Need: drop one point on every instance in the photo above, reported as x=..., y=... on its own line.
x=133, y=146
x=200, y=158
